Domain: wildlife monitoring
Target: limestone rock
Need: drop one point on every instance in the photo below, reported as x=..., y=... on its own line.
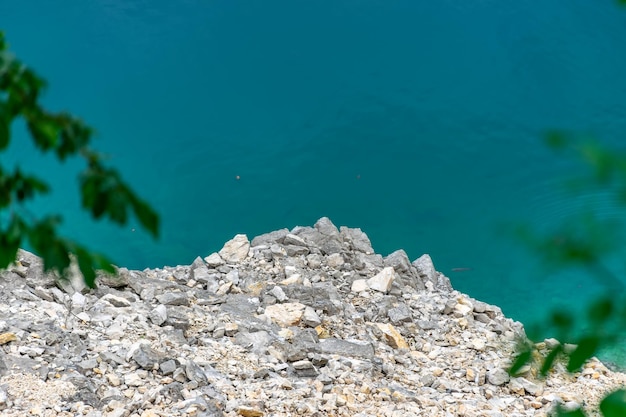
x=426, y=269
x=286, y=314
x=236, y=249
x=213, y=260
x=225, y=337
x=270, y=238
x=310, y=318
x=158, y=315
x=498, y=376
x=392, y=336
x=383, y=280
x=357, y=239
x=246, y=411
x=359, y=285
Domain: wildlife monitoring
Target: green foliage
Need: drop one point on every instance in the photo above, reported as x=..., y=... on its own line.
x=103, y=192
x=614, y=404
x=583, y=242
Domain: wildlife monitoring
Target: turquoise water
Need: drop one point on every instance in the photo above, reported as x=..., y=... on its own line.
x=418, y=121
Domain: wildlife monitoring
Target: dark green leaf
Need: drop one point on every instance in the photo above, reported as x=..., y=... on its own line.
x=522, y=359
x=5, y=130
x=54, y=251
x=587, y=347
x=45, y=132
x=10, y=240
x=614, y=404
x=547, y=363
x=562, y=320
x=148, y=218
x=86, y=266
x=556, y=140
x=104, y=264
x=600, y=310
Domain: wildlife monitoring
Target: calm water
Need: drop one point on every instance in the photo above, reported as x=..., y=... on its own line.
x=418, y=121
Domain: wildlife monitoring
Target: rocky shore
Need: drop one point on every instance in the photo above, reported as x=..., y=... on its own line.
x=303, y=322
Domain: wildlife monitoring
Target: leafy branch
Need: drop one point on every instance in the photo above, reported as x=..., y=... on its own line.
x=103, y=192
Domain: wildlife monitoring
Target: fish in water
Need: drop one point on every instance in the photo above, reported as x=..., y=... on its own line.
x=461, y=269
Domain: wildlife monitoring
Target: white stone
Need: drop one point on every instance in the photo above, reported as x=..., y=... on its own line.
x=425, y=267
x=293, y=279
x=498, y=376
x=290, y=271
x=310, y=317
x=214, y=260
x=383, y=280
x=335, y=260
x=78, y=300
x=478, y=344
x=461, y=310
x=359, y=285
x=133, y=380
x=84, y=317
x=279, y=294
x=236, y=249
x=115, y=300
x=158, y=315
x=287, y=314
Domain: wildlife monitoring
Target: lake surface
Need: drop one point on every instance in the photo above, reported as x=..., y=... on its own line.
x=421, y=122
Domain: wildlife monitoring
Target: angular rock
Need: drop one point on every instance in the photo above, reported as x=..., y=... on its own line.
x=214, y=260
x=400, y=314
x=335, y=260
x=291, y=239
x=357, y=240
x=359, y=285
x=174, y=299
x=382, y=281
x=310, y=318
x=293, y=250
x=158, y=315
x=236, y=249
x=168, y=367
x=305, y=368
x=320, y=296
x=195, y=373
x=147, y=357
x=498, y=376
x=116, y=301
x=270, y=238
x=392, y=336
x=286, y=314
x=118, y=280
x=177, y=317
x=334, y=346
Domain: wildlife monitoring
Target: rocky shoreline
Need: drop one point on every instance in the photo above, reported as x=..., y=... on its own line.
x=303, y=322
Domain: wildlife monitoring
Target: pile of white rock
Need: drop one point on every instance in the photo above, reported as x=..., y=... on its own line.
x=303, y=322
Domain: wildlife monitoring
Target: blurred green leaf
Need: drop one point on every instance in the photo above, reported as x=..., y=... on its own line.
x=520, y=361
x=600, y=310
x=148, y=218
x=562, y=320
x=45, y=131
x=103, y=193
x=5, y=128
x=85, y=264
x=10, y=240
x=556, y=140
x=614, y=404
x=587, y=347
x=549, y=360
